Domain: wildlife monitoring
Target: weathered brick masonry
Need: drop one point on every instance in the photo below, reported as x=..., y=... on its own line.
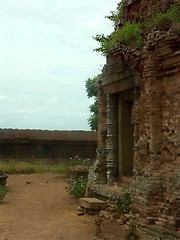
x=139, y=96
x=55, y=145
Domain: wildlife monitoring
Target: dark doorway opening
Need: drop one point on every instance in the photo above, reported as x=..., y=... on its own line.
x=125, y=138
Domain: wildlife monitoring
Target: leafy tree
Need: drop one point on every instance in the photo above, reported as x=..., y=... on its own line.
x=131, y=33
x=91, y=87
x=92, y=93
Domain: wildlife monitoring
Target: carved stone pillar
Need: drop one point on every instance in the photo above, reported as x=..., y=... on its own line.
x=135, y=116
x=102, y=113
x=111, y=144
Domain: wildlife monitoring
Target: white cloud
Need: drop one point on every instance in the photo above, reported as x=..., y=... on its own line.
x=2, y=98
x=54, y=100
x=28, y=111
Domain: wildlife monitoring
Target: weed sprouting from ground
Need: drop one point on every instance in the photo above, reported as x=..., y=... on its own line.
x=98, y=223
x=132, y=233
x=77, y=187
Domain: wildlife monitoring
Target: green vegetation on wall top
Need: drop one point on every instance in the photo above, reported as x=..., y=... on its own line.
x=171, y=16
x=116, y=15
x=132, y=32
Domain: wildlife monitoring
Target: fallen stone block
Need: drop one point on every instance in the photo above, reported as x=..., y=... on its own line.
x=92, y=203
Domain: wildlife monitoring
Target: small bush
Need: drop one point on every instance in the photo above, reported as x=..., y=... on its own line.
x=129, y=34
x=123, y=203
x=3, y=191
x=171, y=16
x=77, y=187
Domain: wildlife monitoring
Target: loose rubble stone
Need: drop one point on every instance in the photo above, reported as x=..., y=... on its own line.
x=92, y=203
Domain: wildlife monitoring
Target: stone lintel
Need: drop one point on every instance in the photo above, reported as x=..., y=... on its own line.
x=122, y=85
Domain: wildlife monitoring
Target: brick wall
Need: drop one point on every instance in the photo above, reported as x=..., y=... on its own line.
x=27, y=144
x=141, y=10
x=157, y=117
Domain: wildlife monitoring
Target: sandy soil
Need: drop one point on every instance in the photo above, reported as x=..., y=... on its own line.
x=37, y=207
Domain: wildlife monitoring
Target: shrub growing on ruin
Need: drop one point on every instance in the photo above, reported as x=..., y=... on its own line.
x=131, y=33
x=159, y=19
x=122, y=202
x=172, y=15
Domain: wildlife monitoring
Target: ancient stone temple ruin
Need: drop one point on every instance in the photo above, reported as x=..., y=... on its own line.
x=139, y=121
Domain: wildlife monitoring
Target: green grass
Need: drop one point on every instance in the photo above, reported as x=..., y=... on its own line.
x=13, y=166
x=16, y=167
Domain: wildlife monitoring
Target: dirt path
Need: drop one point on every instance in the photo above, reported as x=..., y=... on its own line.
x=37, y=207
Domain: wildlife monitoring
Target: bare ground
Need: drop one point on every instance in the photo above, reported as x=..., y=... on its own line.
x=37, y=207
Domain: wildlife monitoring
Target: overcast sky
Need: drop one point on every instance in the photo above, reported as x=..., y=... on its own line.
x=46, y=55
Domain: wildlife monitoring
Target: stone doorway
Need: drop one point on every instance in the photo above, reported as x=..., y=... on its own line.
x=125, y=138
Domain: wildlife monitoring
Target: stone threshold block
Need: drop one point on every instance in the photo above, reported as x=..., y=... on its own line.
x=92, y=204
